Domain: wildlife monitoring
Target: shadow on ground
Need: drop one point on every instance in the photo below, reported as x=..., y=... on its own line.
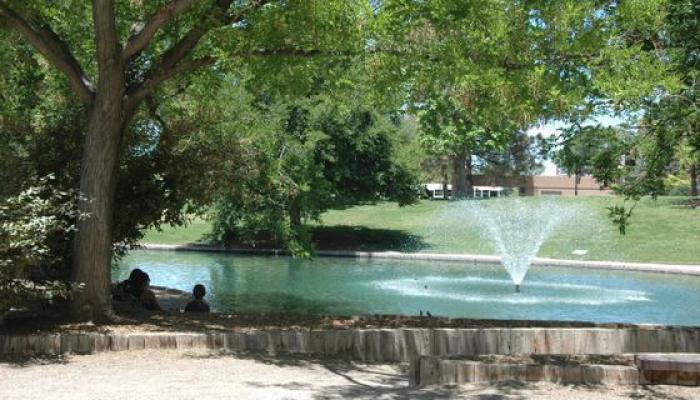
x=646, y=392
x=32, y=361
x=361, y=238
x=364, y=380
x=691, y=203
x=377, y=380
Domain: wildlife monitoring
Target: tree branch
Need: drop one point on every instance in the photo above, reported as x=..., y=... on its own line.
x=170, y=64
x=140, y=39
x=216, y=16
x=150, y=84
x=55, y=50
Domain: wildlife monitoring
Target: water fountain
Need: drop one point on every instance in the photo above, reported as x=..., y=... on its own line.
x=517, y=228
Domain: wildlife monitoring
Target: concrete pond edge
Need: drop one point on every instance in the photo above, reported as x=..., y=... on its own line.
x=678, y=269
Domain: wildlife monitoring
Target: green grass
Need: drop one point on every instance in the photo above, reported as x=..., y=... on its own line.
x=661, y=231
x=194, y=232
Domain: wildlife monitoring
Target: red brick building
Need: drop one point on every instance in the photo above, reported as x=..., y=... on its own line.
x=559, y=185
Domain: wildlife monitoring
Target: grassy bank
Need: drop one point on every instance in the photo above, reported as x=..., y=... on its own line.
x=661, y=231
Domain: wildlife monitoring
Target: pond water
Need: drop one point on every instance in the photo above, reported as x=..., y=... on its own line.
x=346, y=286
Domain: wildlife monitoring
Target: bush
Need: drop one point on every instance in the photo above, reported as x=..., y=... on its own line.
x=677, y=185
x=36, y=227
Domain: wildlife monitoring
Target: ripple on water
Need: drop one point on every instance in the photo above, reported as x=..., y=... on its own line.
x=541, y=292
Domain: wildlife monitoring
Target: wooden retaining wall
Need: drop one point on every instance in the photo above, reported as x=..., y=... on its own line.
x=387, y=345
x=431, y=370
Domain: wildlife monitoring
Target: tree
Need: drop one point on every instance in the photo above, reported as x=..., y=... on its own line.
x=590, y=150
x=309, y=156
x=680, y=115
x=520, y=157
x=479, y=71
x=670, y=127
x=669, y=143
x=447, y=130
x=128, y=53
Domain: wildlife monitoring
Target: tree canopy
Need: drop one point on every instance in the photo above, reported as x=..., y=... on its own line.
x=128, y=78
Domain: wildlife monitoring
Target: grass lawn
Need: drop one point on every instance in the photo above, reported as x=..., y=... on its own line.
x=661, y=231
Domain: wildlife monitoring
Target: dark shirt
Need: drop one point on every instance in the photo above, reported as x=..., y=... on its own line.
x=197, y=305
x=148, y=300
x=122, y=291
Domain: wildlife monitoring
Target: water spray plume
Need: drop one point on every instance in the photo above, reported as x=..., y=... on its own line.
x=517, y=228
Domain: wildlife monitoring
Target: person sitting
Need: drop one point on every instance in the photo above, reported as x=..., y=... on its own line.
x=123, y=291
x=135, y=290
x=198, y=304
x=144, y=296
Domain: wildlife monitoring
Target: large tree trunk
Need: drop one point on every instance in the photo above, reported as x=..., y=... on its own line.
x=444, y=167
x=577, y=179
x=693, y=172
x=462, y=187
x=295, y=213
x=98, y=177
x=107, y=119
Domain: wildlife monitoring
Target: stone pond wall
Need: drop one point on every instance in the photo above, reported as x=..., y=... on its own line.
x=386, y=345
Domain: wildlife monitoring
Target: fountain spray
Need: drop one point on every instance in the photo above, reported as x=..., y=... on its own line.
x=517, y=228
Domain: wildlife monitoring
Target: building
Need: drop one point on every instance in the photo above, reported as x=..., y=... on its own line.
x=556, y=185
x=487, y=192
x=436, y=191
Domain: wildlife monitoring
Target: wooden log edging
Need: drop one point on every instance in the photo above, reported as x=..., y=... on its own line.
x=431, y=370
x=383, y=345
x=669, y=369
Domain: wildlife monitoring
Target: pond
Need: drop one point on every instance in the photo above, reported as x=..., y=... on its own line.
x=347, y=286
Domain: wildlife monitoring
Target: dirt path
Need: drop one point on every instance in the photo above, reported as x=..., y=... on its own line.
x=175, y=375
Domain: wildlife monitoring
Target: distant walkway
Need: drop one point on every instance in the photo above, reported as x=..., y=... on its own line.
x=174, y=375
x=681, y=269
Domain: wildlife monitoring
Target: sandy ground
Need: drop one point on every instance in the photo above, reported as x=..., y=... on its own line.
x=176, y=375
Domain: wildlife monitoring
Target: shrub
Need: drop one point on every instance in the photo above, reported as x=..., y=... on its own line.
x=36, y=228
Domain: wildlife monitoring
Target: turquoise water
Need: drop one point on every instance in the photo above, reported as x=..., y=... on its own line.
x=267, y=284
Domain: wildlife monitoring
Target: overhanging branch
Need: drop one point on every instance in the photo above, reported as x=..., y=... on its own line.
x=172, y=64
x=150, y=84
x=215, y=17
x=143, y=36
x=55, y=50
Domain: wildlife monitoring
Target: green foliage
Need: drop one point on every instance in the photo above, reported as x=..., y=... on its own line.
x=522, y=60
x=520, y=157
x=670, y=133
x=446, y=129
x=313, y=155
x=42, y=131
x=35, y=227
x=591, y=149
x=485, y=61
x=668, y=144
x=677, y=185
x=620, y=216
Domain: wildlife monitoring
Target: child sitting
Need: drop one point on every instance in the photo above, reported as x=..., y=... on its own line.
x=198, y=304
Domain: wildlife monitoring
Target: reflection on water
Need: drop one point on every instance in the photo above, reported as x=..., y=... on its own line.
x=348, y=286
